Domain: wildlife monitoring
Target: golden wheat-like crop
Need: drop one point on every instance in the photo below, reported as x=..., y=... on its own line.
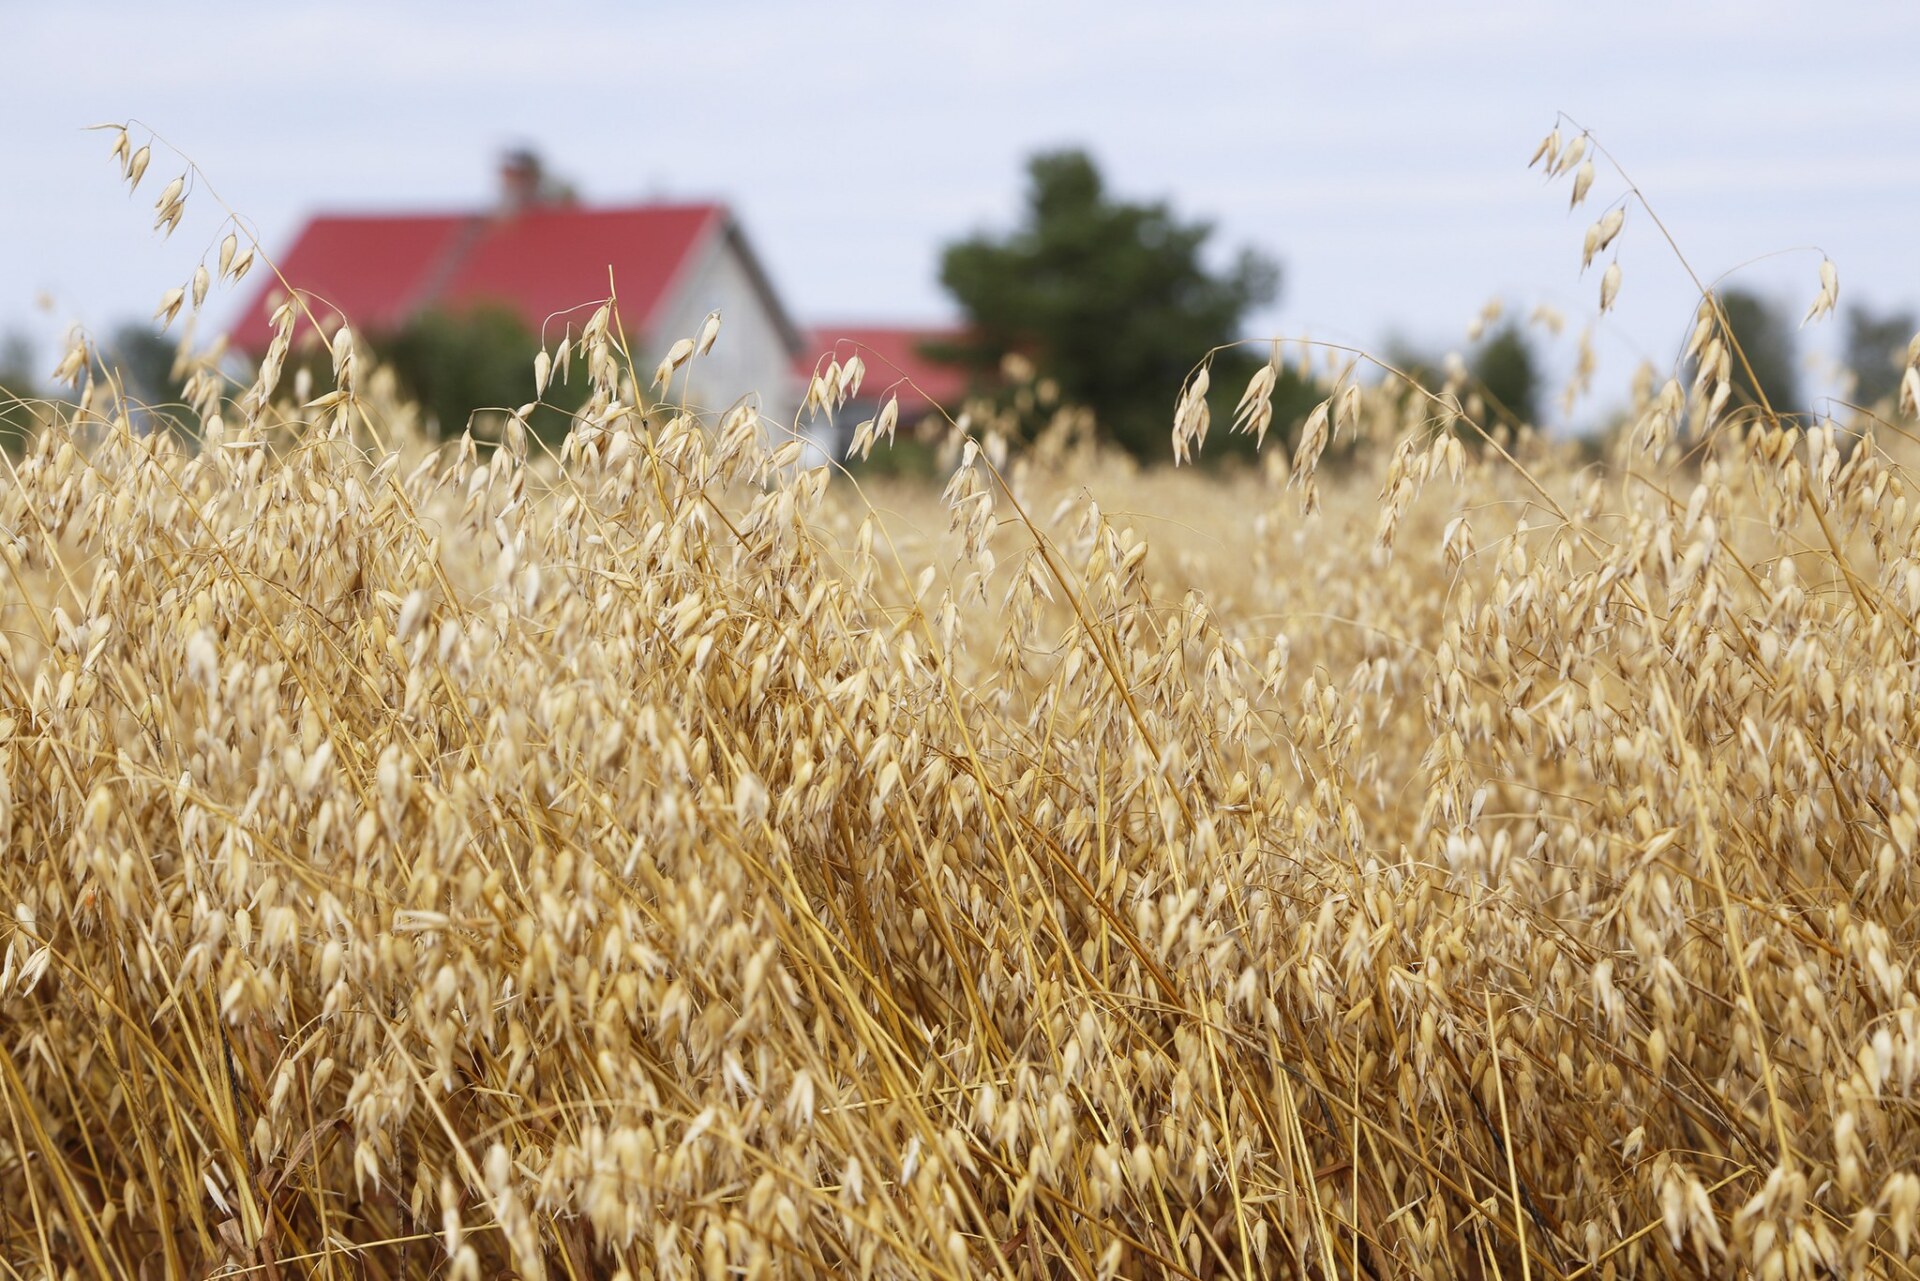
x=670, y=860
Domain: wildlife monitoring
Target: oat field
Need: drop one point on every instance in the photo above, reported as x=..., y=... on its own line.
x=1430, y=852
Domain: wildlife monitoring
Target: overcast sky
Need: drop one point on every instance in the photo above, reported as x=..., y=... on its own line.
x=1377, y=149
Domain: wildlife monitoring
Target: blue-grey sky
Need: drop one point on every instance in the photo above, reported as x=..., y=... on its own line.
x=1377, y=149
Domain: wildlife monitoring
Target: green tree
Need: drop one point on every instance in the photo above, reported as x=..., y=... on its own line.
x=1507, y=376
x=17, y=387
x=1876, y=350
x=457, y=363
x=1501, y=371
x=143, y=359
x=142, y=362
x=1766, y=337
x=16, y=364
x=1112, y=299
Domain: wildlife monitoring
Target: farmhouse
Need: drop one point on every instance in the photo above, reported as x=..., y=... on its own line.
x=541, y=255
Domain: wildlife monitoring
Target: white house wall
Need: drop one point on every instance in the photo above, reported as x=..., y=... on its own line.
x=751, y=357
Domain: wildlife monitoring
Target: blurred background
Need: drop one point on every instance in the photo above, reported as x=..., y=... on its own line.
x=1354, y=173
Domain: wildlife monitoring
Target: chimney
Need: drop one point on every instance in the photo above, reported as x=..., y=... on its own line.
x=520, y=180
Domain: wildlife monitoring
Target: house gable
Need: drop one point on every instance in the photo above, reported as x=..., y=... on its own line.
x=757, y=343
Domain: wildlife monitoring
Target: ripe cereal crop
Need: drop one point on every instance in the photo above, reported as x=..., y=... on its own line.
x=1430, y=851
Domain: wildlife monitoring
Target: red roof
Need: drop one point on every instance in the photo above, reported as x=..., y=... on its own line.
x=380, y=271
x=895, y=363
